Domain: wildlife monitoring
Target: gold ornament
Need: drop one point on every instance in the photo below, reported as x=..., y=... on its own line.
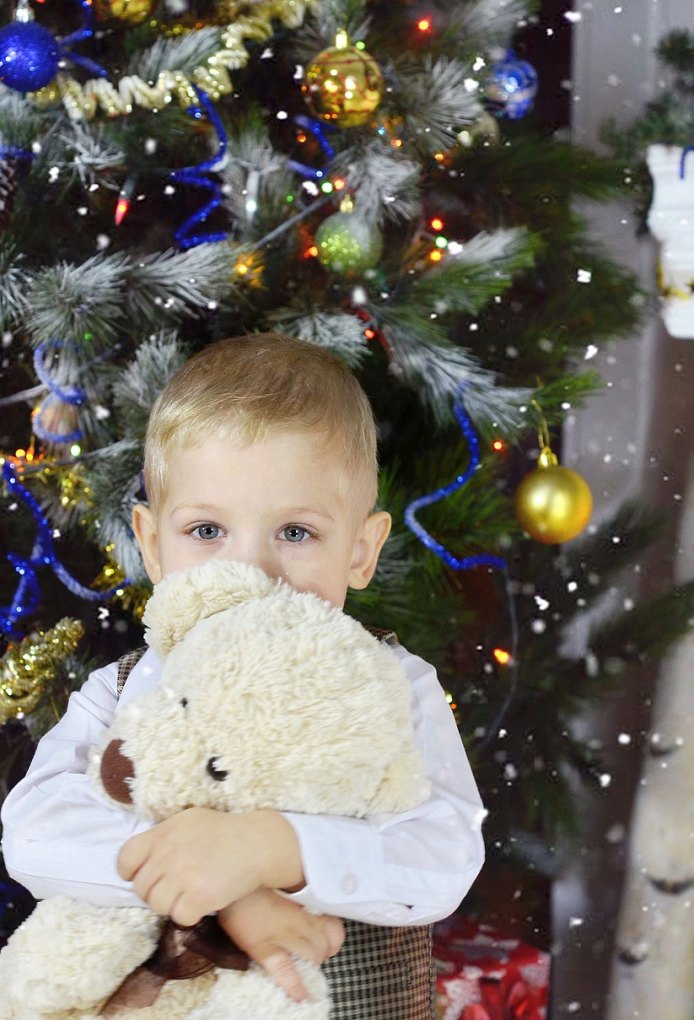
x=553, y=503
x=26, y=668
x=123, y=12
x=343, y=84
x=347, y=242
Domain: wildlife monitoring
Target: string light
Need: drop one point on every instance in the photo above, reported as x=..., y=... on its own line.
x=424, y=24
x=502, y=656
x=124, y=199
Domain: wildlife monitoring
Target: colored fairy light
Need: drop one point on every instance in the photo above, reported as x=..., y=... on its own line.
x=427, y=539
x=498, y=445
x=435, y=255
x=424, y=24
x=122, y=206
x=436, y=223
x=502, y=656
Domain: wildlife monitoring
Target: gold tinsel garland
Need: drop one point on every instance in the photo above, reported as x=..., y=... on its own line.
x=83, y=101
x=26, y=668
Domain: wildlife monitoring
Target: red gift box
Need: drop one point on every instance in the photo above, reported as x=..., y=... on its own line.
x=483, y=975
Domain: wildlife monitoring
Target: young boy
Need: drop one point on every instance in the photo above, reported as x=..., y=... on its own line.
x=263, y=449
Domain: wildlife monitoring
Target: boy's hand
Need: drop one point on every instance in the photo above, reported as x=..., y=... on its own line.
x=269, y=927
x=201, y=860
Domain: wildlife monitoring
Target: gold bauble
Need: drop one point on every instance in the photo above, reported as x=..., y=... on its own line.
x=123, y=12
x=553, y=503
x=343, y=85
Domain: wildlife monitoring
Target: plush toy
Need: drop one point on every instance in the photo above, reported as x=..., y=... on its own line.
x=268, y=698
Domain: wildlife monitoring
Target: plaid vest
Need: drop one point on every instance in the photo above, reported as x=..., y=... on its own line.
x=380, y=973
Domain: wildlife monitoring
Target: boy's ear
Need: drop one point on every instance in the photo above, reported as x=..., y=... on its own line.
x=367, y=548
x=145, y=528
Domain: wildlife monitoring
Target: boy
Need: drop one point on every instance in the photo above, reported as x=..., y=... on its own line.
x=263, y=449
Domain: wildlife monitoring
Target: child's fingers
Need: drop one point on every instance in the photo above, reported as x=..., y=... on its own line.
x=132, y=855
x=278, y=964
x=334, y=931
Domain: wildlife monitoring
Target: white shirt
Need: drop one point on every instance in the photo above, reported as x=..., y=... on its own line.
x=62, y=836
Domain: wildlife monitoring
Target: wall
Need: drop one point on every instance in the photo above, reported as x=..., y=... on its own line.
x=633, y=441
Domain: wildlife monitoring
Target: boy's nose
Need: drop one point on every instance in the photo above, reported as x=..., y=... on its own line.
x=257, y=556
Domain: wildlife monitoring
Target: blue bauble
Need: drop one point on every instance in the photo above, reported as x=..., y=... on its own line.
x=29, y=56
x=511, y=87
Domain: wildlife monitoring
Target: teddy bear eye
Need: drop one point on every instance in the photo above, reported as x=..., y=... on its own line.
x=213, y=771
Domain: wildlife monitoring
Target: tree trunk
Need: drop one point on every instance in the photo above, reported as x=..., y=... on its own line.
x=653, y=967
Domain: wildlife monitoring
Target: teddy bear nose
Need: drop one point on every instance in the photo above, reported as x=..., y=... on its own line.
x=214, y=771
x=116, y=770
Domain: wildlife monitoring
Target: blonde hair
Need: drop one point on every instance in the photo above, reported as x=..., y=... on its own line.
x=245, y=386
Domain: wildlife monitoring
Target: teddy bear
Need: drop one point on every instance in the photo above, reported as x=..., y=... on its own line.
x=268, y=698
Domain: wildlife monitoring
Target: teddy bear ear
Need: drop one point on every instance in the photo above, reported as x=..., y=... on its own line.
x=187, y=596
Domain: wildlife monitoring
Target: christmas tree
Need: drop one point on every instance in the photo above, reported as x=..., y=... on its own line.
x=368, y=177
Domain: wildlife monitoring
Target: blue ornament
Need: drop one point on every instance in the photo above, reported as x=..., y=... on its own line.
x=511, y=87
x=29, y=56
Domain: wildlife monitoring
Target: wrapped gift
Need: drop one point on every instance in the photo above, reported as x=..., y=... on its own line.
x=484, y=975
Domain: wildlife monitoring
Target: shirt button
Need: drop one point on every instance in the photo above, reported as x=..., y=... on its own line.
x=349, y=883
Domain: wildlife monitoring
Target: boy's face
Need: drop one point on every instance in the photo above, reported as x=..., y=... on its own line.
x=284, y=504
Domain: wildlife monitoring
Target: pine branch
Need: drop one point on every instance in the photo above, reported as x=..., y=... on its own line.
x=342, y=334
x=14, y=284
x=484, y=268
x=115, y=481
x=423, y=357
x=83, y=302
x=433, y=100
x=166, y=285
x=183, y=53
x=140, y=383
x=676, y=50
x=489, y=23
x=384, y=183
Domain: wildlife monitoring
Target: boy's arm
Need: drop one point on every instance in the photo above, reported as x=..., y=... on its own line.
x=60, y=836
x=409, y=868
x=201, y=860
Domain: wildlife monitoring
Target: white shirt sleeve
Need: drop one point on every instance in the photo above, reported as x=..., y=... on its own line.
x=61, y=836
x=408, y=868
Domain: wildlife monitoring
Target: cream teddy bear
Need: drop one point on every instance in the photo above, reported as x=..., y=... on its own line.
x=268, y=698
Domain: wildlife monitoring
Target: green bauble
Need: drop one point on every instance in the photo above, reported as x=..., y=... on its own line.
x=348, y=244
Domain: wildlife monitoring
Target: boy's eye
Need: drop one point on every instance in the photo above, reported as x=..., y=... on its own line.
x=207, y=531
x=295, y=533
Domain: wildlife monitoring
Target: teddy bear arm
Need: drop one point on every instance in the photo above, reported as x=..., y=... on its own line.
x=69, y=956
